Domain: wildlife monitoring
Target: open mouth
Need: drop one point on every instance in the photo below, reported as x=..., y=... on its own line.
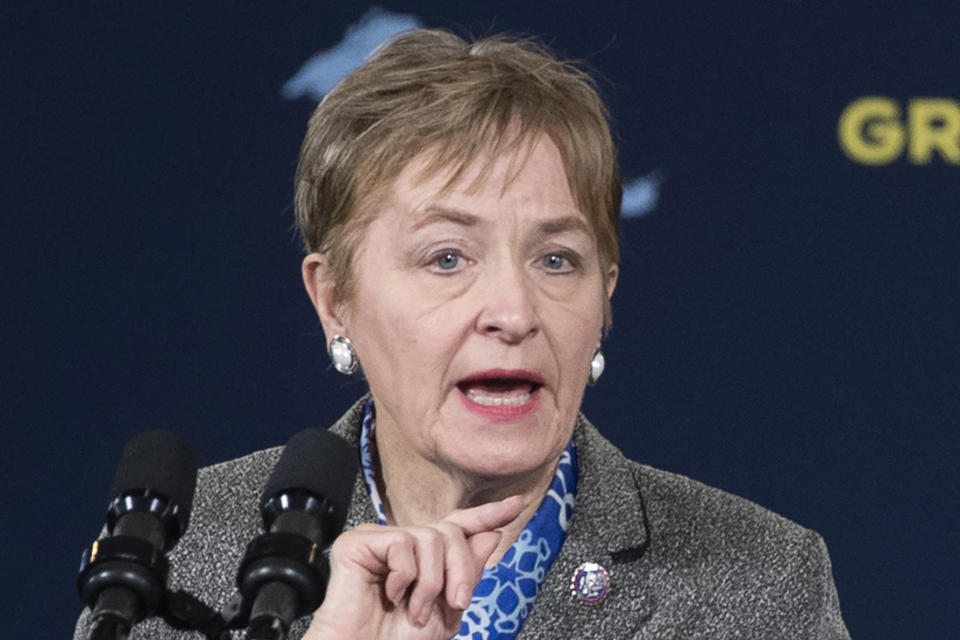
x=500, y=389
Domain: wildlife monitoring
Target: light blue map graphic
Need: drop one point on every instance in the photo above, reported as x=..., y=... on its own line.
x=325, y=69
x=641, y=195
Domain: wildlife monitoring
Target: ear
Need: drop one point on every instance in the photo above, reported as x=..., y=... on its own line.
x=612, y=274
x=319, y=284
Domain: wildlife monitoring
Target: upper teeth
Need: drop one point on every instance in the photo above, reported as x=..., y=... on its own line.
x=496, y=401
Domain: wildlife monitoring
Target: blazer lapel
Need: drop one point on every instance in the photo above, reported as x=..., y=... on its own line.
x=608, y=527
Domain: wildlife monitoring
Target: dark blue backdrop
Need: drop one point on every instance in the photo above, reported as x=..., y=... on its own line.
x=785, y=322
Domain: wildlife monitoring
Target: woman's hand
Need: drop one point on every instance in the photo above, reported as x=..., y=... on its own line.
x=402, y=583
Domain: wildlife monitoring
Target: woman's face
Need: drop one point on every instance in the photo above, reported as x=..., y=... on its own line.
x=475, y=314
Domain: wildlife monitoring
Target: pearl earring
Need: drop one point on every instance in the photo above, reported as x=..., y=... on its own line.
x=343, y=355
x=596, y=367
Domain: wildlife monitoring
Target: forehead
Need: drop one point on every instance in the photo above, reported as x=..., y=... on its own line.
x=529, y=180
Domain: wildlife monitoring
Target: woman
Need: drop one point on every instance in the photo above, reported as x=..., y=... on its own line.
x=459, y=204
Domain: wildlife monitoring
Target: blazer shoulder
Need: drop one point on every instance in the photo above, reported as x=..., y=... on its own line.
x=236, y=478
x=736, y=555
x=676, y=501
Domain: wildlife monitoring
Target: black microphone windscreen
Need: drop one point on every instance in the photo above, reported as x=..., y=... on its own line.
x=320, y=463
x=162, y=462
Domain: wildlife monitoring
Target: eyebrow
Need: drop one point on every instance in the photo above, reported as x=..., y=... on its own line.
x=563, y=224
x=553, y=226
x=433, y=214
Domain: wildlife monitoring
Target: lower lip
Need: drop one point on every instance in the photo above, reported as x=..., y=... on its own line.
x=502, y=413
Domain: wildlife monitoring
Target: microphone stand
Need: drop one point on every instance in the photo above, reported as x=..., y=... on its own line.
x=276, y=604
x=283, y=574
x=267, y=618
x=111, y=615
x=184, y=611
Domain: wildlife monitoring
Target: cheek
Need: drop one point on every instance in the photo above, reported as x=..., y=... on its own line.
x=581, y=323
x=405, y=345
x=574, y=343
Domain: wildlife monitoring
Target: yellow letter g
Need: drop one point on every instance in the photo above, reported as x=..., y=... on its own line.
x=870, y=131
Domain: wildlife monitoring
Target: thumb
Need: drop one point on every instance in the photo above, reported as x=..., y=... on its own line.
x=482, y=545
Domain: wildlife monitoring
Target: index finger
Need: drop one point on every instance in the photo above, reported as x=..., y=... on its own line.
x=486, y=517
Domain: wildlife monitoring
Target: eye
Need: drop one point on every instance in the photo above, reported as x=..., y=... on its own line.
x=560, y=263
x=556, y=262
x=447, y=261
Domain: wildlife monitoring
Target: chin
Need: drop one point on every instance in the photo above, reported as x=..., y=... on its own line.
x=505, y=441
x=499, y=459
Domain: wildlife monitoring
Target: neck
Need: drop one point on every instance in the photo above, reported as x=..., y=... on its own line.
x=417, y=492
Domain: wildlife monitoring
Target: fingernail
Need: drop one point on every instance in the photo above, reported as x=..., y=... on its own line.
x=395, y=597
x=518, y=499
x=424, y=614
x=462, y=598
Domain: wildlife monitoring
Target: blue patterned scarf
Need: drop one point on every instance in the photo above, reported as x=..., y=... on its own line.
x=506, y=592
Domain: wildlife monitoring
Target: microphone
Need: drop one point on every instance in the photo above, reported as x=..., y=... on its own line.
x=304, y=506
x=123, y=576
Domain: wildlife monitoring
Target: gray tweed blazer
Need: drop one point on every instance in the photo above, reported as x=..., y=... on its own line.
x=684, y=560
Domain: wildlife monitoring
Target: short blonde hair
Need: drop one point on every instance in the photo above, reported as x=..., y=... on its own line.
x=430, y=89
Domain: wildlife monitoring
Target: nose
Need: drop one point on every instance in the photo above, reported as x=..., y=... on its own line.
x=509, y=312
